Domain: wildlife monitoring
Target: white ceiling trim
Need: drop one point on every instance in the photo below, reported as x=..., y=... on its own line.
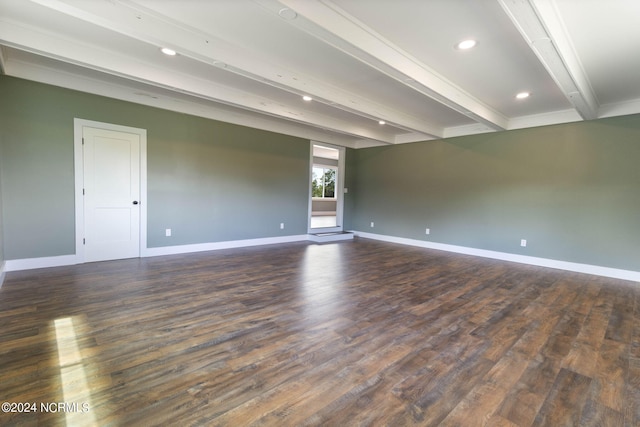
x=266, y=83
x=330, y=24
x=472, y=129
x=541, y=26
x=534, y=120
x=412, y=137
x=134, y=21
x=620, y=108
x=72, y=51
x=79, y=82
x=363, y=143
x=3, y=67
x=545, y=119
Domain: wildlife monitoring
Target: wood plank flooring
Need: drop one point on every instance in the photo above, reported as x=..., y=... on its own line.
x=357, y=333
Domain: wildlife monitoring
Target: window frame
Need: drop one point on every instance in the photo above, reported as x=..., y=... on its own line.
x=335, y=181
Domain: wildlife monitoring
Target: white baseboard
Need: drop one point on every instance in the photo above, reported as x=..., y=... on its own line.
x=504, y=256
x=58, y=261
x=3, y=266
x=214, y=246
x=44, y=262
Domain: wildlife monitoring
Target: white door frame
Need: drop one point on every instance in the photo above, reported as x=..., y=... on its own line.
x=78, y=125
x=339, y=190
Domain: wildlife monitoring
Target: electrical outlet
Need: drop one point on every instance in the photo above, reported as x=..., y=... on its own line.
x=523, y=243
x=427, y=231
x=282, y=226
x=167, y=232
x=371, y=224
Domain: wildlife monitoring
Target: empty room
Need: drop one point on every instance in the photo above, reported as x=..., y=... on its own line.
x=319, y=213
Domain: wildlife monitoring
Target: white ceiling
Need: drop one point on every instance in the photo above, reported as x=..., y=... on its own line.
x=250, y=61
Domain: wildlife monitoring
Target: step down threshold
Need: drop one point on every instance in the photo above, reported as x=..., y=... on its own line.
x=330, y=237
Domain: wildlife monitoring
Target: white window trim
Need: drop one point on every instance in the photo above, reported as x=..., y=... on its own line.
x=339, y=188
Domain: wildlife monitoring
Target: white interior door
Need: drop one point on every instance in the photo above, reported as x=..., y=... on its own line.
x=111, y=187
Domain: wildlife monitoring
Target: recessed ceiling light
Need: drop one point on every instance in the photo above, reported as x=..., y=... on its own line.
x=382, y=122
x=307, y=98
x=287, y=14
x=168, y=51
x=523, y=95
x=466, y=44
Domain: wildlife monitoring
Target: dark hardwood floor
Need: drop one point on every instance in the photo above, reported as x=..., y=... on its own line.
x=358, y=333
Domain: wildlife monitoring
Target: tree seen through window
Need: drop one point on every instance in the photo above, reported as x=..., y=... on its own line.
x=323, y=183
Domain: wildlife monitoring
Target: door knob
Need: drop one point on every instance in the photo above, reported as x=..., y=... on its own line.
x=135, y=202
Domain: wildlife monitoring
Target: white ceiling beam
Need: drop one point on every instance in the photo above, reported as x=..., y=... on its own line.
x=332, y=25
x=101, y=59
x=151, y=96
x=541, y=26
x=133, y=20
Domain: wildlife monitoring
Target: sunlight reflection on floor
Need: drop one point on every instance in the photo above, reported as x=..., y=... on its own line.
x=75, y=390
x=322, y=275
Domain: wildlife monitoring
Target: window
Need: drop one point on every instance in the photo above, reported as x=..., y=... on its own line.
x=323, y=184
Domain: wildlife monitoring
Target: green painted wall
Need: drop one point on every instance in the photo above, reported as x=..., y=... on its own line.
x=570, y=190
x=37, y=167
x=208, y=181
x=211, y=181
x=2, y=125
x=573, y=191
